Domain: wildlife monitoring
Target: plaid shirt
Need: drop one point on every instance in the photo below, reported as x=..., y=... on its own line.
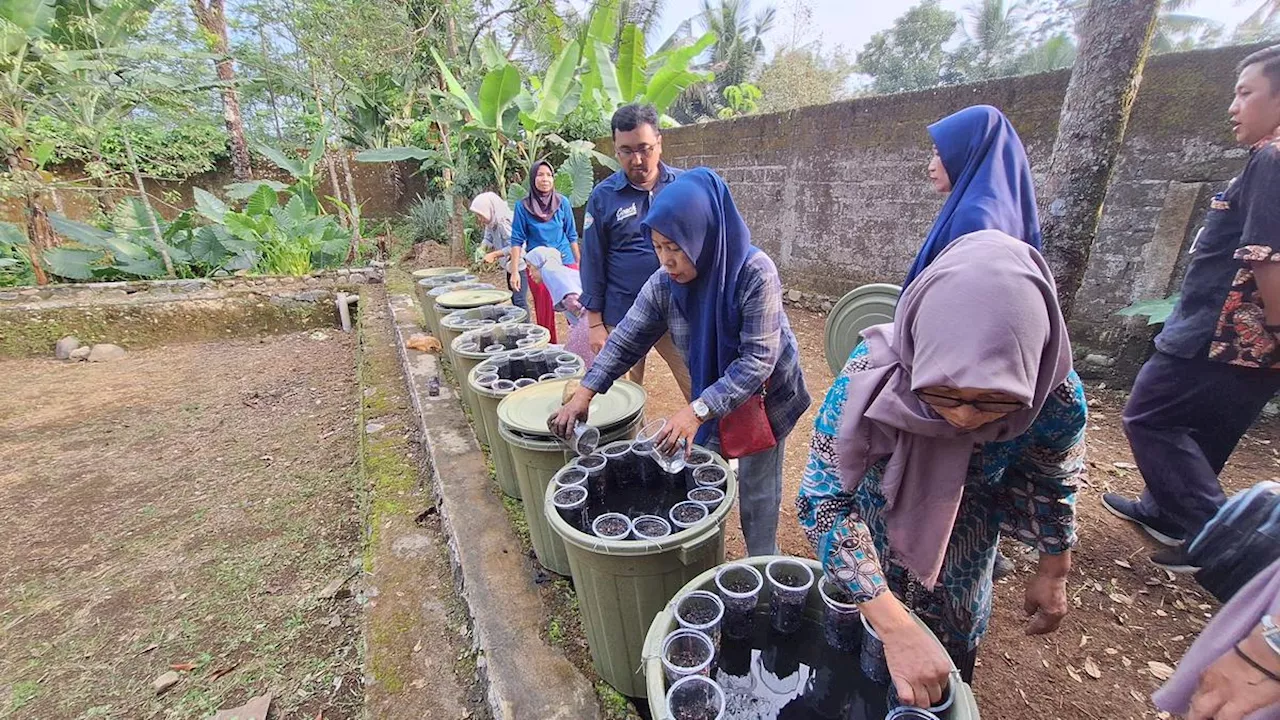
x=767, y=348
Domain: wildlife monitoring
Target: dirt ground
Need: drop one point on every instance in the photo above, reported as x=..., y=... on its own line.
x=1126, y=613
x=182, y=508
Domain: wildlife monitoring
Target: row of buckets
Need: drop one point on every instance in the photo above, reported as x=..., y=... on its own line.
x=624, y=588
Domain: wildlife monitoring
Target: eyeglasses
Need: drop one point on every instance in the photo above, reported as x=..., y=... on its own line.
x=990, y=406
x=644, y=151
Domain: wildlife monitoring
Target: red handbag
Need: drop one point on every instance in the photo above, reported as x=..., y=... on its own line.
x=745, y=430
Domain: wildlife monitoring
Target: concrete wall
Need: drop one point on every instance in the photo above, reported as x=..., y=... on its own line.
x=838, y=196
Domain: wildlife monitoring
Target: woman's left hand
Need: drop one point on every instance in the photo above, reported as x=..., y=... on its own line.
x=1231, y=690
x=681, y=426
x=1045, y=601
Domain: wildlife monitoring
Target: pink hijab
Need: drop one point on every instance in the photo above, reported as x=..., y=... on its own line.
x=983, y=315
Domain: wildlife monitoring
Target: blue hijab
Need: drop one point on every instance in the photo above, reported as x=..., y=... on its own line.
x=697, y=213
x=991, y=186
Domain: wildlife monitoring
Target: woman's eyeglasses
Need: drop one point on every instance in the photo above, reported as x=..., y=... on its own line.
x=990, y=406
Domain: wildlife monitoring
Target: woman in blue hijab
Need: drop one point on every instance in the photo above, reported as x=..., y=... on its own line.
x=979, y=159
x=721, y=300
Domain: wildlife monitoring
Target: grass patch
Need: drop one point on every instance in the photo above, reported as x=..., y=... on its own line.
x=23, y=692
x=515, y=513
x=613, y=703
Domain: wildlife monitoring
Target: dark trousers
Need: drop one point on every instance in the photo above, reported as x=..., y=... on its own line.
x=518, y=296
x=1183, y=421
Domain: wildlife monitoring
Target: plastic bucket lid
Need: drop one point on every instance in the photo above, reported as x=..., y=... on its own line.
x=436, y=272
x=858, y=310
x=436, y=292
x=463, y=299
x=526, y=410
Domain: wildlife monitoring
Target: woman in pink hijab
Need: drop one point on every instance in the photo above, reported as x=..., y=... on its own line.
x=959, y=422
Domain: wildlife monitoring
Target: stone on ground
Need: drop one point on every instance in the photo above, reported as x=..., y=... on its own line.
x=80, y=353
x=164, y=682
x=106, y=352
x=62, y=349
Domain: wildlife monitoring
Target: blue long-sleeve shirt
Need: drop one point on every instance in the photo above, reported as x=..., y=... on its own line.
x=616, y=259
x=767, y=348
x=559, y=232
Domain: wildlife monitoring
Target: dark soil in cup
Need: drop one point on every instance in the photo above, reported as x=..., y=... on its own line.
x=698, y=612
x=689, y=514
x=687, y=657
x=707, y=711
x=590, y=462
x=842, y=630
x=625, y=487
x=789, y=577
x=738, y=583
x=611, y=527
x=786, y=617
x=651, y=528
x=706, y=495
x=738, y=623
x=838, y=595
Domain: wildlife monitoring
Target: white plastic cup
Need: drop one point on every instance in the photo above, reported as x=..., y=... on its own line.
x=683, y=525
x=700, y=601
x=622, y=534
x=789, y=583
x=696, y=693
x=694, y=643
x=739, y=605
x=649, y=527
x=708, y=497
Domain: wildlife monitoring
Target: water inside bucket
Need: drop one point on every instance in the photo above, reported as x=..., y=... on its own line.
x=633, y=485
x=796, y=676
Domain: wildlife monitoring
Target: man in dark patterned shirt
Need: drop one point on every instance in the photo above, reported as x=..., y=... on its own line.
x=1217, y=361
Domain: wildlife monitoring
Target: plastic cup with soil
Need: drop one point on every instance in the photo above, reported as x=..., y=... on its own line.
x=494, y=348
x=939, y=710
x=486, y=380
x=564, y=371
x=872, y=658
x=524, y=382
x=516, y=358
x=670, y=462
x=696, y=698
x=649, y=527
x=687, y=652
x=469, y=347
x=708, y=497
x=564, y=359
x=581, y=440
x=616, y=450
x=710, y=476
x=546, y=376
x=525, y=342
x=570, y=475
x=789, y=583
x=571, y=503
x=702, y=611
x=739, y=586
x=698, y=457
x=612, y=526
x=593, y=463
x=501, y=365
x=841, y=621
x=686, y=514
x=503, y=386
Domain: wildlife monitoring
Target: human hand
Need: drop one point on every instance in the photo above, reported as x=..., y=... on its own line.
x=598, y=335
x=1231, y=689
x=575, y=410
x=515, y=281
x=492, y=257
x=680, y=427
x=1045, y=598
x=920, y=668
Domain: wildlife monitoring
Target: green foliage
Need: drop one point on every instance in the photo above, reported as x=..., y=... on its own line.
x=15, y=260
x=128, y=249
x=1156, y=311
x=428, y=220
x=163, y=150
x=910, y=55
x=798, y=78
x=741, y=99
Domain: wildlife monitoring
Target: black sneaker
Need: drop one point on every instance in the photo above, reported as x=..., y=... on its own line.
x=1126, y=509
x=1173, y=559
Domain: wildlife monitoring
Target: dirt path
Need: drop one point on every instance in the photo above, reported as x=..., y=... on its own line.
x=183, y=506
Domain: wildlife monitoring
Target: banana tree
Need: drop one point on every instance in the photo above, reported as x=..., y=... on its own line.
x=629, y=78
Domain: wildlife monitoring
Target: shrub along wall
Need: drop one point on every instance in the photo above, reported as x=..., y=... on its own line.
x=838, y=195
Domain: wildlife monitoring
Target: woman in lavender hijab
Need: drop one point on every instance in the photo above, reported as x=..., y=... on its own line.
x=959, y=422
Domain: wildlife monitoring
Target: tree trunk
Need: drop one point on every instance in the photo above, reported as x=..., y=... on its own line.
x=271, y=93
x=1115, y=39
x=146, y=205
x=211, y=16
x=352, y=205
x=40, y=237
x=457, y=228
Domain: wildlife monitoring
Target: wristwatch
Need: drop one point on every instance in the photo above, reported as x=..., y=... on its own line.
x=701, y=410
x=1271, y=634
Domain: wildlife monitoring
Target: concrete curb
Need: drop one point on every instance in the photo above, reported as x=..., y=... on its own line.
x=525, y=677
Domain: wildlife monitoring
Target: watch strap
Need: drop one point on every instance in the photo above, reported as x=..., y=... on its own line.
x=1271, y=634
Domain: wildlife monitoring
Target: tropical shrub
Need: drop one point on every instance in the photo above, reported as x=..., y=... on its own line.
x=428, y=220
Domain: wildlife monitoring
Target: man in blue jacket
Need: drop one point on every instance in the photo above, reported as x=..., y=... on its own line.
x=616, y=258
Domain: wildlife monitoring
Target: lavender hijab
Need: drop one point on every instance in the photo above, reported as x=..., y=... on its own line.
x=983, y=315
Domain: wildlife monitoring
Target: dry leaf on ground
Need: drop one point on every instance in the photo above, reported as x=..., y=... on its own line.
x=1162, y=671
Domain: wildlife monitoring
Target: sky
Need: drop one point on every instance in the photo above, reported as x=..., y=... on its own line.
x=851, y=23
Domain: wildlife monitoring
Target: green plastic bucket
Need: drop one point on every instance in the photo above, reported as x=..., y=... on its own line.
x=423, y=286
x=536, y=455
x=463, y=300
x=964, y=706
x=622, y=585
x=485, y=413
x=534, y=337
x=430, y=313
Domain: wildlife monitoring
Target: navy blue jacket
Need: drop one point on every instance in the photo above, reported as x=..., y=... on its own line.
x=616, y=259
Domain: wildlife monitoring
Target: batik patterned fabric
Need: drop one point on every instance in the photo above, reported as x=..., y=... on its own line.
x=1024, y=487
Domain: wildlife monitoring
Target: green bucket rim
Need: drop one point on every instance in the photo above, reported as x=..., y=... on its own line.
x=468, y=299
x=664, y=622
x=487, y=392
x=430, y=283
x=689, y=539
x=438, y=271
x=436, y=292
x=453, y=318
x=544, y=339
